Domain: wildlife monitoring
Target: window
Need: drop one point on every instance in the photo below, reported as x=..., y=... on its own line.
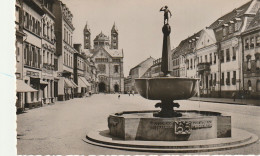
x=258, y=41
x=215, y=58
x=200, y=59
x=17, y=54
x=257, y=60
x=102, y=68
x=234, y=78
x=228, y=78
x=191, y=64
x=249, y=85
x=248, y=62
x=56, y=64
x=206, y=58
x=252, y=43
x=234, y=54
x=64, y=34
x=227, y=55
x=224, y=31
x=17, y=14
x=116, y=69
x=246, y=44
x=101, y=59
x=258, y=86
x=222, y=78
x=116, y=60
x=230, y=29
x=188, y=62
x=215, y=79
x=210, y=58
x=222, y=56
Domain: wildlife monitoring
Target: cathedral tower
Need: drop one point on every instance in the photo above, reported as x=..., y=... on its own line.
x=114, y=37
x=87, y=37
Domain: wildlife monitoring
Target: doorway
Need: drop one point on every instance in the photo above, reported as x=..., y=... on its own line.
x=102, y=87
x=116, y=88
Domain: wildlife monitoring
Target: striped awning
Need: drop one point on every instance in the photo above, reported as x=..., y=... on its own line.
x=85, y=81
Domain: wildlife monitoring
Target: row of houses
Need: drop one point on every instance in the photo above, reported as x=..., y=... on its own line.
x=224, y=55
x=49, y=66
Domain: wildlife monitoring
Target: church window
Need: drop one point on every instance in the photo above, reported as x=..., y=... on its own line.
x=116, y=69
x=102, y=68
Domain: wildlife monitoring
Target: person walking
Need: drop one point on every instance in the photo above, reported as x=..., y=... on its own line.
x=234, y=96
x=133, y=92
x=128, y=93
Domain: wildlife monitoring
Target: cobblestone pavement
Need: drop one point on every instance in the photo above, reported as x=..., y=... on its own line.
x=60, y=128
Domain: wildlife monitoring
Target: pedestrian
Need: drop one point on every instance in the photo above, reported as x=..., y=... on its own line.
x=234, y=96
x=128, y=93
x=119, y=96
x=133, y=92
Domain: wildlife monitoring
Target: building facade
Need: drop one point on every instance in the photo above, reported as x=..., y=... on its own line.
x=138, y=71
x=251, y=58
x=108, y=60
x=64, y=50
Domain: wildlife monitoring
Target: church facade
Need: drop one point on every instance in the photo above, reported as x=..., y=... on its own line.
x=108, y=60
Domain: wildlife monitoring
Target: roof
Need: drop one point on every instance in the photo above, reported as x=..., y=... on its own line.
x=115, y=52
x=140, y=64
x=114, y=28
x=255, y=22
x=87, y=27
x=236, y=13
x=183, y=47
x=101, y=37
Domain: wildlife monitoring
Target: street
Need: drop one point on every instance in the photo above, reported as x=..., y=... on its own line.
x=60, y=128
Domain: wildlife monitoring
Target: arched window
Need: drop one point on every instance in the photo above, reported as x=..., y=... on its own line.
x=257, y=61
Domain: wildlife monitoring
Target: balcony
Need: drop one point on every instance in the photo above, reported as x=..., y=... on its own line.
x=203, y=67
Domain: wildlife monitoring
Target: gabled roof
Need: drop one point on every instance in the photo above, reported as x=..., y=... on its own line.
x=236, y=13
x=115, y=52
x=255, y=22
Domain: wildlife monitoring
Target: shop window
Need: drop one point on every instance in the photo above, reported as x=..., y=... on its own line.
x=227, y=55
x=234, y=54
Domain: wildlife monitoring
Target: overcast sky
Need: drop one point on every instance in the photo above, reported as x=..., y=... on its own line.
x=139, y=22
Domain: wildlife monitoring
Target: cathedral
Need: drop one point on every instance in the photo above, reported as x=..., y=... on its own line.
x=108, y=59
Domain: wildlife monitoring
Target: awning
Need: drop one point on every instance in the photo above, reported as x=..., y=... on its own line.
x=21, y=86
x=74, y=84
x=69, y=84
x=85, y=81
x=81, y=83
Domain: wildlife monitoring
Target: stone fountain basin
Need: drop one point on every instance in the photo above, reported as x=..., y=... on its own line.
x=172, y=88
x=193, y=125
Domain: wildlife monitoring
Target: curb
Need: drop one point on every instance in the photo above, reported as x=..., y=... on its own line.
x=218, y=102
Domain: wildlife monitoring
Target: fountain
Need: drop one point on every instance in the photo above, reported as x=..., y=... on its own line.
x=181, y=131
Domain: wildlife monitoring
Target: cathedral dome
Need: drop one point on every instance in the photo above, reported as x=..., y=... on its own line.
x=101, y=37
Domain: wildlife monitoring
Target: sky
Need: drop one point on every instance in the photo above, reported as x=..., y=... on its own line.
x=139, y=22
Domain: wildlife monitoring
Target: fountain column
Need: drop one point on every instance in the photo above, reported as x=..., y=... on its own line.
x=166, y=49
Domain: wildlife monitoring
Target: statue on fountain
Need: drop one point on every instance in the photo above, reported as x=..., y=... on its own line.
x=166, y=12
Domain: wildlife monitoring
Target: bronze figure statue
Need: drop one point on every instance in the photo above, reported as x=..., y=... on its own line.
x=166, y=12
